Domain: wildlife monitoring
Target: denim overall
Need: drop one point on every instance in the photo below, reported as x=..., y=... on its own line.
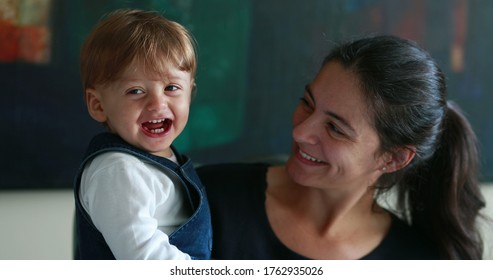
x=194, y=237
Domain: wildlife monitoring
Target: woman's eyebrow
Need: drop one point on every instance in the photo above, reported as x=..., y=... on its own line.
x=339, y=118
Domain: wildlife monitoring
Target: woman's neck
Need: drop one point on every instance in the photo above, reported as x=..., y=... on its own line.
x=329, y=213
x=323, y=224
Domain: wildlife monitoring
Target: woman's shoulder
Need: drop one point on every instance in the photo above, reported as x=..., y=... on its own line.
x=223, y=175
x=233, y=185
x=404, y=242
x=231, y=166
x=236, y=193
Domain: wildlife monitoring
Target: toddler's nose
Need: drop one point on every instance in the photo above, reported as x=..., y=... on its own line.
x=157, y=102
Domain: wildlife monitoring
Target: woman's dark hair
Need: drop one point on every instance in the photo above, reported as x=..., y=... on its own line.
x=438, y=192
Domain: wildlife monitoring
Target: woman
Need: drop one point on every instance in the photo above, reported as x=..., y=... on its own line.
x=374, y=118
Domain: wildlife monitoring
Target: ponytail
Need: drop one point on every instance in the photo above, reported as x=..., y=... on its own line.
x=443, y=192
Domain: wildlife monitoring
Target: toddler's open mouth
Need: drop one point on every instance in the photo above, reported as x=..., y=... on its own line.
x=158, y=126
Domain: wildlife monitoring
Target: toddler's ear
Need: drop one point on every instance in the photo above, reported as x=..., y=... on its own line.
x=94, y=105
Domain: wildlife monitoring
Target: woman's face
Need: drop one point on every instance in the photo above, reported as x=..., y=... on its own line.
x=334, y=144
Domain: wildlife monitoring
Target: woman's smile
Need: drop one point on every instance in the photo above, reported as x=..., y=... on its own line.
x=306, y=158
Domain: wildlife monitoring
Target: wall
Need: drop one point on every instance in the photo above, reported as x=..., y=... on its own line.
x=487, y=228
x=36, y=225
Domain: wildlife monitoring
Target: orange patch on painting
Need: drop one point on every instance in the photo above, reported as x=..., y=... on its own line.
x=34, y=44
x=9, y=41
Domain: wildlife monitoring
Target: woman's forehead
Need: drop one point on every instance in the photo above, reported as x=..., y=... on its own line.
x=337, y=90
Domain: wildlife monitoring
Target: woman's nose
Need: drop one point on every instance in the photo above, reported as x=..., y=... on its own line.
x=306, y=131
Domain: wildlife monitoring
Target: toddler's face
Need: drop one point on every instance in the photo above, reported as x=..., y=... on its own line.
x=146, y=109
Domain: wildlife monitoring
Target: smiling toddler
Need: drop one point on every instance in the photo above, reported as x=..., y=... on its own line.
x=136, y=196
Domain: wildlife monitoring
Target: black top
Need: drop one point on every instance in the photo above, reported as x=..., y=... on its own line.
x=241, y=229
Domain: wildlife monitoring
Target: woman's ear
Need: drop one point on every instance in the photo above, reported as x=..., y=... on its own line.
x=399, y=158
x=94, y=105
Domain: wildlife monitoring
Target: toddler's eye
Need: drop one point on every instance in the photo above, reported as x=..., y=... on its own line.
x=136, y=91
x=171, y=88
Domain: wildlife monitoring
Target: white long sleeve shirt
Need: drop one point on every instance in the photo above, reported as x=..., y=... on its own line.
x=135, y=206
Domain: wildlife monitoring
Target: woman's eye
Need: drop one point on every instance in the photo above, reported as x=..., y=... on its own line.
x=136, y=91
x=306, y=105
x=335, y=129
